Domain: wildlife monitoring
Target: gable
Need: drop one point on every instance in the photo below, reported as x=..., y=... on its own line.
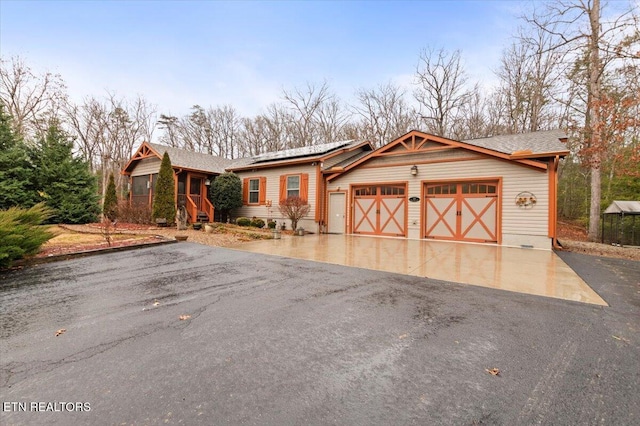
x=423, y=146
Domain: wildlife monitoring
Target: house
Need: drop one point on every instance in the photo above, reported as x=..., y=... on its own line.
x=270, y=178
x=499, y=190
x=193, y=174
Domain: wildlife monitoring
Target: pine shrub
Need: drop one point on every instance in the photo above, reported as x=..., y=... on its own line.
x=22, y=233
x=110, y=204
x=164, y=206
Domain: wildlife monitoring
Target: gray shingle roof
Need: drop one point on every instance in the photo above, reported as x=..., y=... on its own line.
x=193, y=160
x=545, y=141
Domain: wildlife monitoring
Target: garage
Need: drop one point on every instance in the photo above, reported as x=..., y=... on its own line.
x=380, y=209
x=499, y=190
x=462, y=211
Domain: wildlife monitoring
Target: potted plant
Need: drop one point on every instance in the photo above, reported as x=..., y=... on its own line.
x=197, y=226
x=208, y=228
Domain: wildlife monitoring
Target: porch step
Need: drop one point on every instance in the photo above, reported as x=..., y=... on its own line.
x=202, y=217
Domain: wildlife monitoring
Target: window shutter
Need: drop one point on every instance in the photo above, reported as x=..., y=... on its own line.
x=283, y=188
x=304, y=186
x=245, y=191
x=263, y=190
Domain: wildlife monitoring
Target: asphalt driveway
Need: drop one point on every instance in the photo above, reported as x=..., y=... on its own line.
x=277, y=341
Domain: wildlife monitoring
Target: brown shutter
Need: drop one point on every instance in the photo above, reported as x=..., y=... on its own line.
x=245, y=191
x=283, y=188
x=304, y=186
x=263, y=190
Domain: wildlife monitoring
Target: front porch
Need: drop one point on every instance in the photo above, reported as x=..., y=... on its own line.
x=191, y=189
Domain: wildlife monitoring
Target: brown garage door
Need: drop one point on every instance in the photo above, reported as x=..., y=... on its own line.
x=462, y=211
x=380, y=210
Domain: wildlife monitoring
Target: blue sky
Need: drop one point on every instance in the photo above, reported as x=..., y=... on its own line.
x=181, y=53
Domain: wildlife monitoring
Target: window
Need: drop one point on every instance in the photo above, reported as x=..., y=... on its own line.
x=254, y=191
x=296, y=185
x=293, y=186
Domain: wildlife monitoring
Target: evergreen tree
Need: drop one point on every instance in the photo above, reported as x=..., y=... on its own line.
x=164, y=206
x=226, y=193
x=110, y=204
x=64, y=182
x=16, y=173
x=21, y=233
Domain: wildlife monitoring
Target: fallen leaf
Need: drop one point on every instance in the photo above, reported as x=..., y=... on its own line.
x=59, y=332
x=403, y=336
x=622, y=339
x=156, y=303
x=184, y=317
x=493, y=371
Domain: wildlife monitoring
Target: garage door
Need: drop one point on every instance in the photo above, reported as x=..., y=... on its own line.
x=380, y=210
x=462, y=211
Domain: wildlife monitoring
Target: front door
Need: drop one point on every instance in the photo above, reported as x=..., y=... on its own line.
x=337, y=209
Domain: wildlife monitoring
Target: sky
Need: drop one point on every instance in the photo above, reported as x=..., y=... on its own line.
x=244, y=53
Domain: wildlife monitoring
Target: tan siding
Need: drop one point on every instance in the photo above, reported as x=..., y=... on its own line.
x=273, y=185
x=146, y=166
x=515, y=180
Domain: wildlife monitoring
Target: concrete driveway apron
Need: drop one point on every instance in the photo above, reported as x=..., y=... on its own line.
x=538, y=272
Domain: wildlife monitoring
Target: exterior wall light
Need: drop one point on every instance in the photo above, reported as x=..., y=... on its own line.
x=414, y=170
x=207, y=182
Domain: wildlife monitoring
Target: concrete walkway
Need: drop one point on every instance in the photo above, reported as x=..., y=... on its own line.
x=537, y=272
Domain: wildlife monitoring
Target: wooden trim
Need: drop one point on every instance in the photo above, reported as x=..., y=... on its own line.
x=304, y=187
x=262, y=191
x=319, y=196
x=553, y=200
x=245, y=191
x=307, y=160
x=419, y=151
x=144, y=151
x=553, y=154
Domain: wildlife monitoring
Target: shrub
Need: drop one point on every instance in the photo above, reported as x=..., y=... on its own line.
x=294, y=208
x=140, y=213
x=257, y=223
x=21, y=232
x=226, y=193
x=110, y=204
x=271, y=224
x=243, y=221
x=164, y=206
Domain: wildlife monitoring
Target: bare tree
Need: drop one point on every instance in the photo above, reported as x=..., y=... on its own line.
x=31, y=100
x=383, y=114
x=169, y=124
x=578, y=26
x=305, y=104
x=529, y=75
x=442, y=89
x=225, y=123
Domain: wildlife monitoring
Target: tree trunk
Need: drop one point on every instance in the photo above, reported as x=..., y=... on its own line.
x=595, y=142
